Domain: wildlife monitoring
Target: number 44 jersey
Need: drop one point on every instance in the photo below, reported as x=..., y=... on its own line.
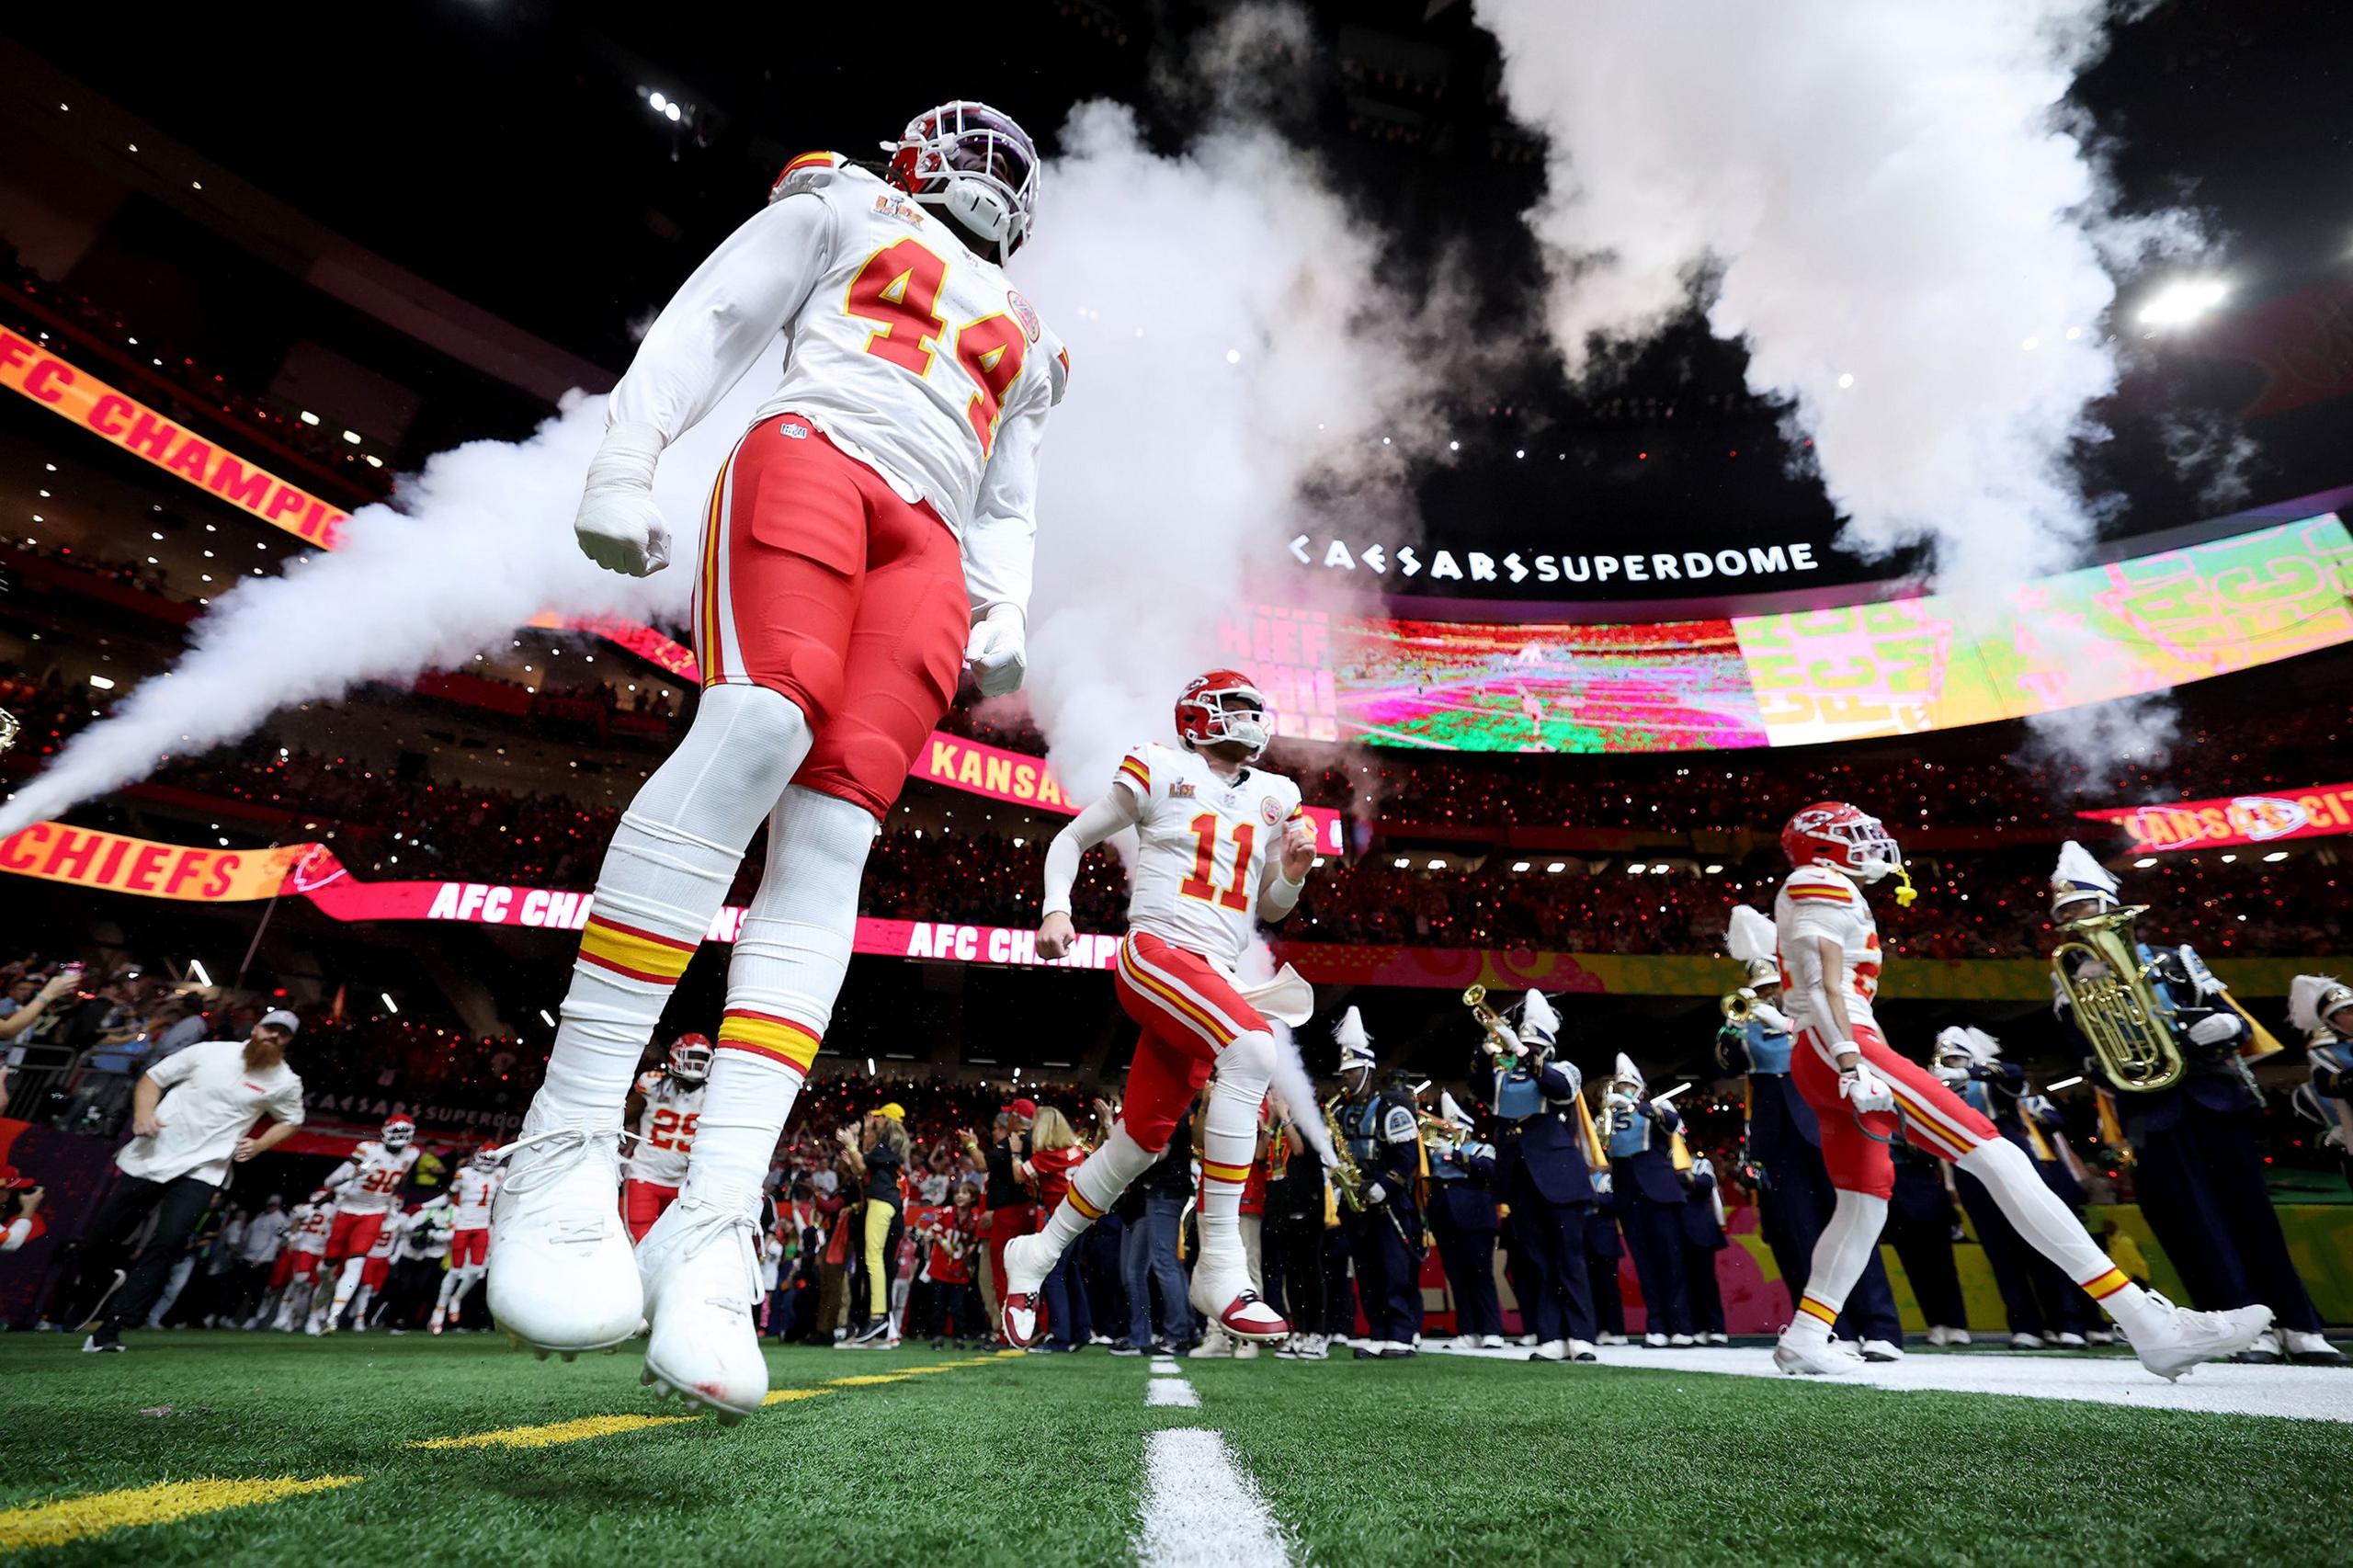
x=665, y=1128
x=1205, y=846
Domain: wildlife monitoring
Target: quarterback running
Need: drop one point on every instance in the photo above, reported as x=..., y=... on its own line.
x=1866, y=1096
x=872, y=533
x=1220, y=845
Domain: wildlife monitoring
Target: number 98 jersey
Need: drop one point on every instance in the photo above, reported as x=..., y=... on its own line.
x=665, y=1128
x=1205, y=848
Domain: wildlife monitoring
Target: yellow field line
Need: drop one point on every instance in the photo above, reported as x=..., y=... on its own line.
x=71, y=1519
x=786, y=1396
x=553, y=1433
x=866, y=1381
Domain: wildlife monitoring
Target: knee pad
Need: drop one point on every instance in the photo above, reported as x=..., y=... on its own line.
x=1246, y=1064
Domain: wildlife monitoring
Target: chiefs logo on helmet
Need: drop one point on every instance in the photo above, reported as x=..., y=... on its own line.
x=1222, y=706
x=974, y=164
x=690, y=1058
x=1834, y=834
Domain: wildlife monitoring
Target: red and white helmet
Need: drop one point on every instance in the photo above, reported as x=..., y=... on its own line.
x=1832, y=832
x=690, y=1058
x=399, y=1132
x=1209, y=711
x=320, y=1194
x=973, y=163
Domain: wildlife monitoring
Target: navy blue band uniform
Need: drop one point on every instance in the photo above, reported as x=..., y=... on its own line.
x=1644, y=1141
x=1464, y=1224
x=2039, y=1302
x=1385, y=1139
x=1544, y=1177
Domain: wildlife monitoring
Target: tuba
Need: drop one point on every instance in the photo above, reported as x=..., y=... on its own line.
x=2129, y=1026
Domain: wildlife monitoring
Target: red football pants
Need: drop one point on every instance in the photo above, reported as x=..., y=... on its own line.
x=1189, y=1011
x=352, y=1234
x=470, y=1248
x=819, y=583
x=1933, y=1117
x=642, y=1204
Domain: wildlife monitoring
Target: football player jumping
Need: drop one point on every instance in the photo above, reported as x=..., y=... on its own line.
x=368, y=1188
x=1866, y=1096
x=471, y=1191
x=1219, y=845
x=669, y=1108
x=871, y=532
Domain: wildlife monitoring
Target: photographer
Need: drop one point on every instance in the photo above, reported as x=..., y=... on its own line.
x=192, y=1117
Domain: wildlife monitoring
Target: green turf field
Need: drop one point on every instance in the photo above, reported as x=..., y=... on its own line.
x=948, y=1458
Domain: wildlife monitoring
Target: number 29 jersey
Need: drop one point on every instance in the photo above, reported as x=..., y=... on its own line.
x=665, y=1128
x=1204, y=846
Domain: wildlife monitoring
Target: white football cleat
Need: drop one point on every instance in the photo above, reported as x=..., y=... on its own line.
x=2181, y=1339
x=1825, y=1359
x=1582, y=1350
x=1551, y=1350
x=702, y=1283
x=563, y=1279
x=1491, y=1341
x=2312, y=1349
x=2023, y=1341
x=1880, y=1350
x=2068, y=1339
x=1223, y=1296
x=1655, y=1341
x=1028, y=1260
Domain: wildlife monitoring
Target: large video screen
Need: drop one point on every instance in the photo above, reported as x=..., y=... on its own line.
x=1804, y=677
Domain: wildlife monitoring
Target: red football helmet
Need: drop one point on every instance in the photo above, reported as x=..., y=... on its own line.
x=1832, y=832
x=399, y=1132
x=690, y=1058
x=974, y=164
x=1209, y=711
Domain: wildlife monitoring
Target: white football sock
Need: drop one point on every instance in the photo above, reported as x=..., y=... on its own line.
x=786, y=970
x=448, y=1284
x=2050, y=1228
x=1840, y=1256
x=1096, y=1185
x=664, y=876
x=345, y=1283
x=1230, y=1142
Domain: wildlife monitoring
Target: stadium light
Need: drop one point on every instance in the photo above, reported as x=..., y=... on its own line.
x=1846, y=381
x=1438, y=865
x=2066, y=1083
x=104, y=683
x=2275, y=857
x=1519, y=865
x=547, y=1017
x=870, y=1066
x=1716, y=869
x=352, y=437
x=657, y=102
x=1401, y=862
x=2230, y=860
x=2144, y=862
x=2178, y=304
x=196, y=968
x=390, y=1005
x=1636, y=870
x=1233, y=356
x=309, y=417
x=1558, y=866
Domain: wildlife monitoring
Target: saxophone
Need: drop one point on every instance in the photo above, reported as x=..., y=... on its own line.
x=1347, y=1179
x=2128, y=1024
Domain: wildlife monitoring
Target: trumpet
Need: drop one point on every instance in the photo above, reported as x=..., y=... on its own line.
x=1498, y=1032
x=1737, y=1006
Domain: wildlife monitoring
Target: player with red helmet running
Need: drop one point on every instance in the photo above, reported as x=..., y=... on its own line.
x=1221, y=846
x=368, y=1188
x=872, y=533
x=666, y=1108
x=1866, y=1096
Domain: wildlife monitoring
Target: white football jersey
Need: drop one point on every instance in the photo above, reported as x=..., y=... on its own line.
x=1204, y=848
x=471, y=1191
x=312, y=1223
x=389, y=1234
x=376, y=1178
x=1816, y=902
x=911, y=354
x=665, y=1128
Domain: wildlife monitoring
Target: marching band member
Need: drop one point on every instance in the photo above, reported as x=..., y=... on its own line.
x=1602, y=1250
x=2320, y=1006
x=1866, y=1096
x=1920, y=1223
x=1704, y=1237
x=1645, y=1152
x=2038, y=1302
x=1785, y=1142
x=1463, y=1223
x=2196, y=1171
x=1385, y=1143
x=1544, y=1166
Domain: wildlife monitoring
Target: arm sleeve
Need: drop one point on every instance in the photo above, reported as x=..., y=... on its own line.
x=1001, y=534
x=340, y=1174
x=721, y=318
x=173, y=1068
x=1119, y=808
x=286, y=1105
x=1561, y=1081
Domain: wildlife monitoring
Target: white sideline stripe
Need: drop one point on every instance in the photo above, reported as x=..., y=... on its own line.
x=1171, y=1391
x=1199, y=1509
x=1159, y=1366
x=2309, y=1393
x=1166, y=1373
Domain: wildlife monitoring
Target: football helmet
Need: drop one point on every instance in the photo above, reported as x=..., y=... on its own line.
x=320, y=1194
x=690, y=1058
x=1846, y=838
x=973, y=163
x=1222, y=706
x=399, y=1133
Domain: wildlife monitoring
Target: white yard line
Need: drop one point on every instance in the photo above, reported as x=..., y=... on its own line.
x=1199, y=1509
x=2309, y=1393
x=1171, y=1391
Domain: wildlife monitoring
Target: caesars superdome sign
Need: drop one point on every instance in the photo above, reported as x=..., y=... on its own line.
x=1534, y=570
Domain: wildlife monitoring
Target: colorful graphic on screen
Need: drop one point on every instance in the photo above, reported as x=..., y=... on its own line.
x=1675, y=686
x=1808, y=677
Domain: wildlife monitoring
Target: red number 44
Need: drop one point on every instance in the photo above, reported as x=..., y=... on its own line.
x=898, y=288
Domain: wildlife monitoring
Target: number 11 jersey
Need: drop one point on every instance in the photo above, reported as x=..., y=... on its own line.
x=1204, y=848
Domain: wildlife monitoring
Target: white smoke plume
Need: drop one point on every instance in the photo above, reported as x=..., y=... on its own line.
x=1890, y=206
x=1213, y=303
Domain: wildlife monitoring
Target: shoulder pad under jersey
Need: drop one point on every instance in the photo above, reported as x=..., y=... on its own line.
x=1820, y=884
x=812, y=172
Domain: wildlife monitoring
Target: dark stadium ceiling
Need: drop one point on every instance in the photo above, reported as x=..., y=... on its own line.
x=467, y=140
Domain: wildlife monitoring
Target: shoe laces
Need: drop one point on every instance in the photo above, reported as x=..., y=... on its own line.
x=565, y=1148
x=708, y=1225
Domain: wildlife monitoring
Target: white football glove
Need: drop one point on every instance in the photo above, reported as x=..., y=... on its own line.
x=2214, y=1030
x=619, y=526
x=1865, y=1090
x=1772, y=1017
x=1504, y=1039
x=998, y=652
x=1375, y=1193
